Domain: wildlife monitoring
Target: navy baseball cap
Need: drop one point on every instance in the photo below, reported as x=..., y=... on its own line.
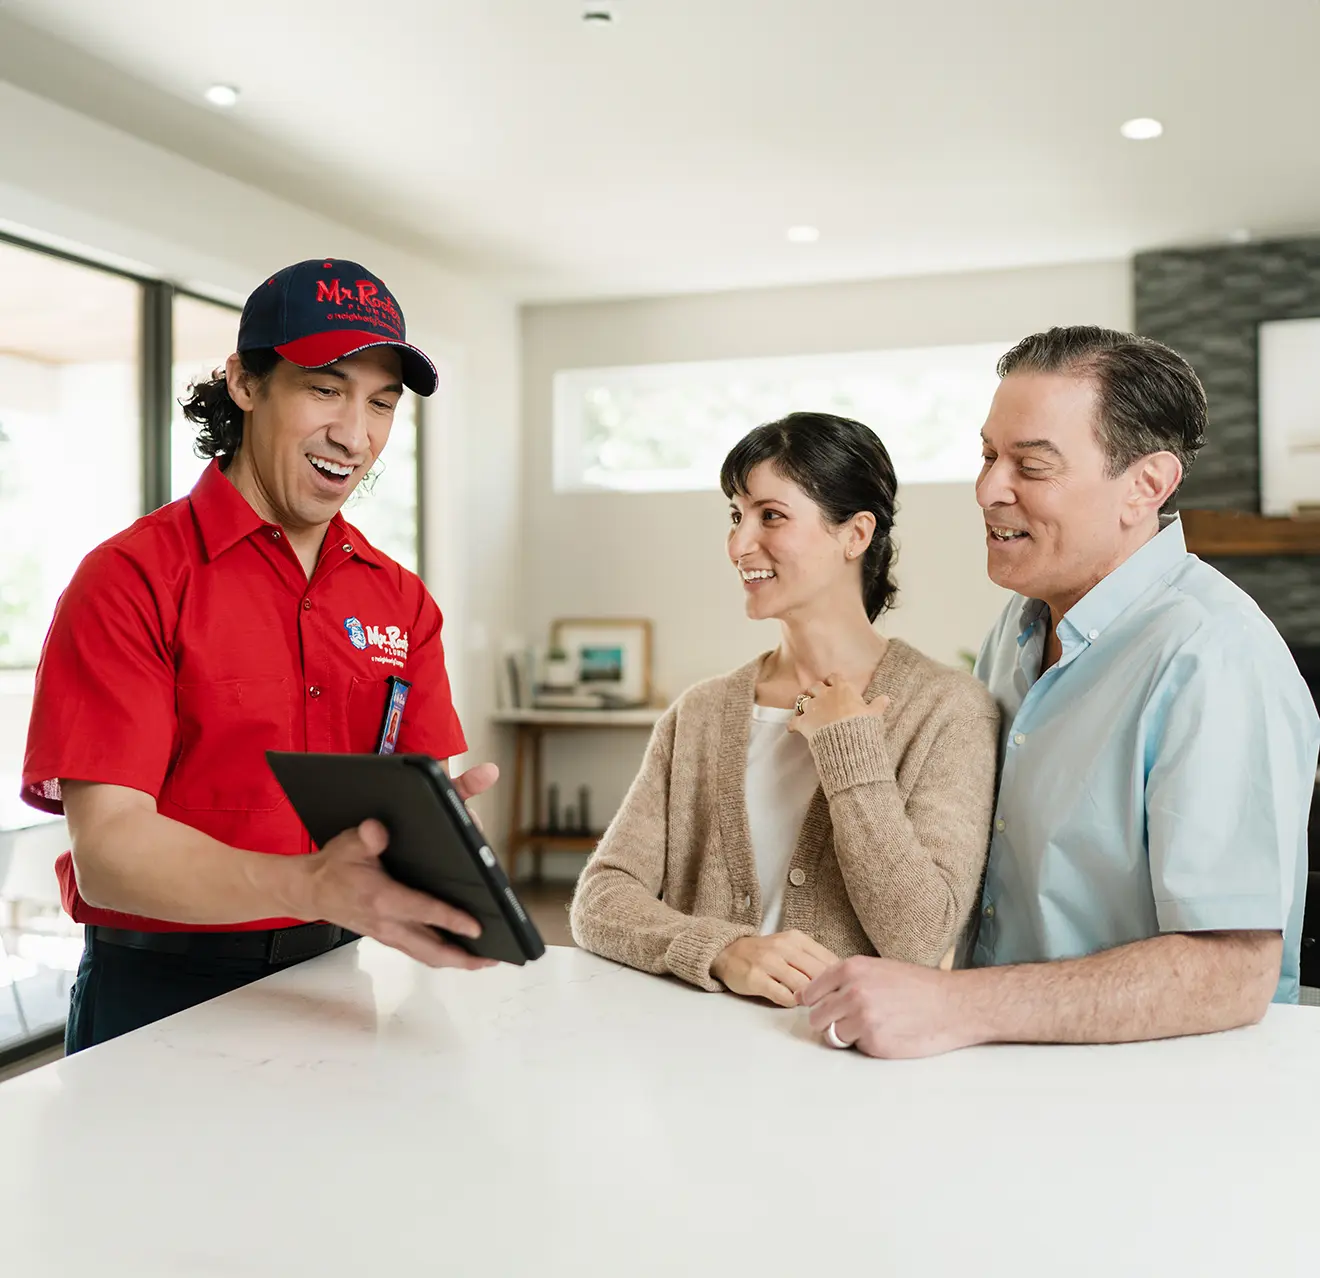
x=326, y=309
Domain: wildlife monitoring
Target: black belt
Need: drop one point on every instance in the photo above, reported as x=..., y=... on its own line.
x=274, y=946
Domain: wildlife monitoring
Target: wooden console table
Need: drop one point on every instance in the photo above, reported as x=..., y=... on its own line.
x=527, y=831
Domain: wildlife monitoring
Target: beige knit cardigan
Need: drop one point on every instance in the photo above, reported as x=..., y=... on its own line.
x=891, y=853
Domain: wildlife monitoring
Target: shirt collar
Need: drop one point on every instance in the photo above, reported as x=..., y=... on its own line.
x=223, y=514
x=225, y=517
x=1113, y=595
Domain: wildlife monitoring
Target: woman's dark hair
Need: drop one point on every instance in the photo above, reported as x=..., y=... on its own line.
x=844, y=468
x=220, y=419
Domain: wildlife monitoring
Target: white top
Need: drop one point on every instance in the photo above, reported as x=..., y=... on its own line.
x=361, y=1114
x=781, y=781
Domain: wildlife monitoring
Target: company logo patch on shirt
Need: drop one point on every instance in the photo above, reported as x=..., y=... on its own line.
x=357, y=636
x=390, y=642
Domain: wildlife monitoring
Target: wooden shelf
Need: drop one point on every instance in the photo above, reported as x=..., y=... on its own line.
x=1218, y=533
x=643, y=717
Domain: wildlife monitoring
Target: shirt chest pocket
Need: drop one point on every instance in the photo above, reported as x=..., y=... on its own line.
x=366, y=713
x=225, y=729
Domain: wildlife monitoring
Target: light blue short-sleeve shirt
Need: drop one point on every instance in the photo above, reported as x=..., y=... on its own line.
x=1158, y=778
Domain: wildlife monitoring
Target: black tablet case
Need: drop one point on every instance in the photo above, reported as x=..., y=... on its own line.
x=434, y=846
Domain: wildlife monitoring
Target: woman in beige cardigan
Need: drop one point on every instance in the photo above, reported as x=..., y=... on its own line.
x=832, y=797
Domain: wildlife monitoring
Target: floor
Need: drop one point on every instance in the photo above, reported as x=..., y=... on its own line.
x=30, y=1062
x=547, y=903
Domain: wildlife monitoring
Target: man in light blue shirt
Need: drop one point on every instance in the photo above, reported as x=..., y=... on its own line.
x=1148, y=859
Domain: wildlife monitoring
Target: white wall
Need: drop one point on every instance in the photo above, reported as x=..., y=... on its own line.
x=662, y=556
x=71, y=179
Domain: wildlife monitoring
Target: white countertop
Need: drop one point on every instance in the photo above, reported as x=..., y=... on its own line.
x=362, y=1115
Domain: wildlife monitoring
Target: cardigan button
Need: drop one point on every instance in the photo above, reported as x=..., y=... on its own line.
x=797, y=876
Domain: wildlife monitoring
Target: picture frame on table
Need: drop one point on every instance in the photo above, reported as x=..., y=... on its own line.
x=612, y=656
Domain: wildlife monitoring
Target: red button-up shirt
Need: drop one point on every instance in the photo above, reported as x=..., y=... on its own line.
x=187, y=646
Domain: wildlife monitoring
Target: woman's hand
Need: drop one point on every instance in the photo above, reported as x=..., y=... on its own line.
x=776, y=967
x=831, y=701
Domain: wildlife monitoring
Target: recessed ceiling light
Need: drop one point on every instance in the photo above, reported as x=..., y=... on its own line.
x=222, y=95
x=802, y=234
x=1142, y=129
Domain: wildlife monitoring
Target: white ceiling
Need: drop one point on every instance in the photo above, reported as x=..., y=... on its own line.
x=669, y=152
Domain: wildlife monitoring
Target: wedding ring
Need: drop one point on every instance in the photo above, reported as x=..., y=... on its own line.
x=832, y=1037
x=803, y=698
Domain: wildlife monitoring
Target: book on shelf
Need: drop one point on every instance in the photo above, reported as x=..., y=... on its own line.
x=568, y=701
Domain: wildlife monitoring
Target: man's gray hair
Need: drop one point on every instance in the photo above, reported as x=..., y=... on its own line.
x=1149, y=397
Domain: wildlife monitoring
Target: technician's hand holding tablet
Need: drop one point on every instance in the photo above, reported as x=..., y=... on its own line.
x=346, y=884
x=402, y=860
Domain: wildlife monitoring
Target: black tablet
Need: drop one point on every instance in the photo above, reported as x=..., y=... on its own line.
x=435, y=845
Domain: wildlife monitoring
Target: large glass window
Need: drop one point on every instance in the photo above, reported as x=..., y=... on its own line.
x=70, y=476
x=70, y=431
x=667, y=427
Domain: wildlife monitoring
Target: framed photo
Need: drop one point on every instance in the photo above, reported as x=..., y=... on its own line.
x=612, y=656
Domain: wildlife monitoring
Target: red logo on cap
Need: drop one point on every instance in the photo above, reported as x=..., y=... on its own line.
x=334, y=291
x=371, y=307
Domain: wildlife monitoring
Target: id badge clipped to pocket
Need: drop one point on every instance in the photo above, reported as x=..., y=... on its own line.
x=393, y=721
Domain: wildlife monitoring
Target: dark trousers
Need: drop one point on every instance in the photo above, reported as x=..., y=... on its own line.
x=119, y=989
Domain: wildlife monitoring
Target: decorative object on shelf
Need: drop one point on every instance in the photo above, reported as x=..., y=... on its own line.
x=552, y=810
x=584, y=810
x=1289, y=403
x=569, y=701
x=558, y=672
x=515, y=677
x=612, y=658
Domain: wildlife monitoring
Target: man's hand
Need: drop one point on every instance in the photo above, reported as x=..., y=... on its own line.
x=832, y=701
x=476, y=780
x=345, y=884
x=889, y=1009
x=776, y=967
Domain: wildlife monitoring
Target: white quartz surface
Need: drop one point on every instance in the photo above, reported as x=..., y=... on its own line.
x=362, y=1115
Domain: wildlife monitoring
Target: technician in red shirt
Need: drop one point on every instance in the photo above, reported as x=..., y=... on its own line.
x=249, y=616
